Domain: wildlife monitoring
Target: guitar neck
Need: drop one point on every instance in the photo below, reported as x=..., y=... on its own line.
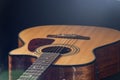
x=36, y=70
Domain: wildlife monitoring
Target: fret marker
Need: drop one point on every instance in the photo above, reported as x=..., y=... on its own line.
x=34, y=67
x=47, y=58
x=42, y=67
x=43, y=61
x=30, y=75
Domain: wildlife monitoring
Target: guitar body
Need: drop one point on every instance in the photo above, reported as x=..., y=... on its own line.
x=86, y=52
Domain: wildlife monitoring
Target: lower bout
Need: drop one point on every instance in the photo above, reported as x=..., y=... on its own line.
x=70, y=73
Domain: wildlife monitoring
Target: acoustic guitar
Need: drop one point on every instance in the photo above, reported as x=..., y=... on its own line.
x=65, y=52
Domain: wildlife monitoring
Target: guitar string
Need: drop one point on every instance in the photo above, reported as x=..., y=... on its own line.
x=34, y=62
x=37, y=72
x=61, y=48
x=61, y=70
x=64, y=42
x=71, y=42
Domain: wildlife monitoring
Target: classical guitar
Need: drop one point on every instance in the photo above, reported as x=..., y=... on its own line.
x=65, y=52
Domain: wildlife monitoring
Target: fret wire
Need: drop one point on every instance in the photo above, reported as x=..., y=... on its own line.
x=39, y=72
x=39, y=66
x=44, y=61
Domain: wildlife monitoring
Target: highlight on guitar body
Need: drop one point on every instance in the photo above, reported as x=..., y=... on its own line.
x=65, y=52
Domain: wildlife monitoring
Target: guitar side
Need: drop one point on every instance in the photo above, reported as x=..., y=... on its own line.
x=102, y=68
x=88, y=71
x=19, y=63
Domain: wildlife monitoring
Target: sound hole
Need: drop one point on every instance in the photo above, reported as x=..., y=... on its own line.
x=57, y=49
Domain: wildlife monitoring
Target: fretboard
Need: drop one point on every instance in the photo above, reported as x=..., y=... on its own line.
x=39, y=66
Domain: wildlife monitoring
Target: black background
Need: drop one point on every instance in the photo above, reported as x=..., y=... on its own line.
x=16, y=15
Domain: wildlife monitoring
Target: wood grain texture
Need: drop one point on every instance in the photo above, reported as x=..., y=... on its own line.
x=20, y=63
x=102, y=47
x=99, y=36
x=70, y=73
x=108, y=59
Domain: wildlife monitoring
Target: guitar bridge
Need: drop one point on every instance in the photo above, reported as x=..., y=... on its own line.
x=69, y=36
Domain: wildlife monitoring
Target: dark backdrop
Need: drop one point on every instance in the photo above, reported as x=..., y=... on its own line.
x=17, y=15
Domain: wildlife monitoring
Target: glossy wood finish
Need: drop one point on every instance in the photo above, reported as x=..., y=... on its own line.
x=99, y=37
x=70, y=73
x=108, y=59
x=20, y=63
x=82, y=62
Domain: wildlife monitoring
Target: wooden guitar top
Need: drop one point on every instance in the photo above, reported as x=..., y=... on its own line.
x=81, y=49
